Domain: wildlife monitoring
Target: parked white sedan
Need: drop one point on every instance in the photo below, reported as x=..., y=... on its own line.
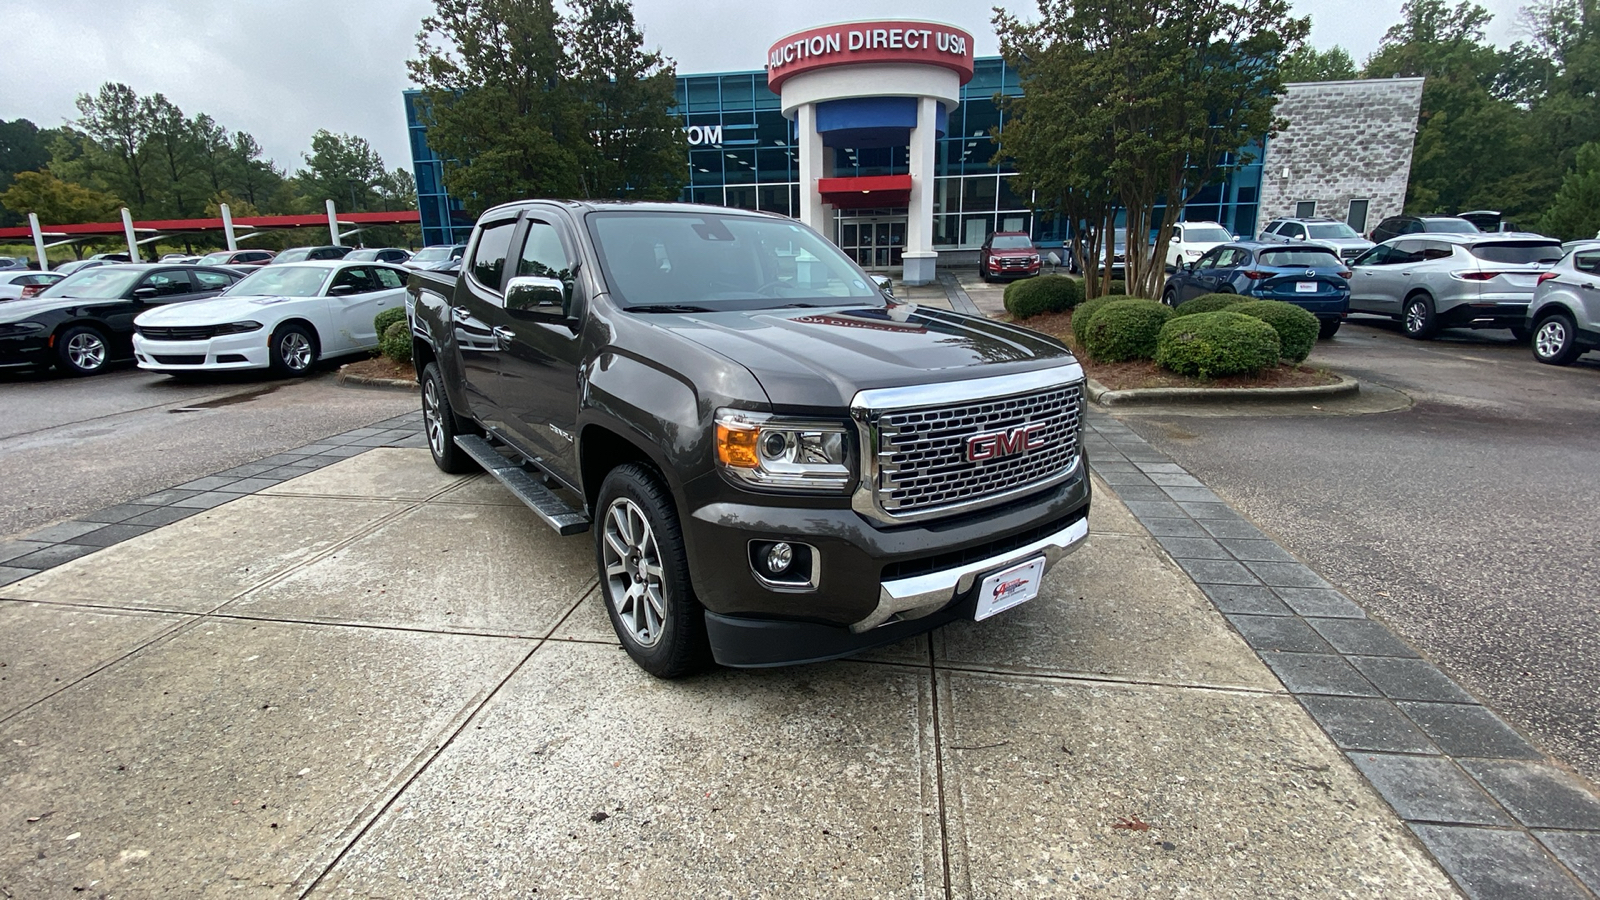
x=283, y=317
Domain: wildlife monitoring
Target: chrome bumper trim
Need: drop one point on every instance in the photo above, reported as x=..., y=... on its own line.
x=920, y=595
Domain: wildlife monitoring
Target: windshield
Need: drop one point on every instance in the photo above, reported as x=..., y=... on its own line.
x=361, y=255
x=1214, y=234
x=215, y=259
x=1332, y=231
x=1449, y=226
x=98, y=283
x=1299, y=256
x=1519, y=252
x=711, y=261
x=281, y=281
x=298, y=254
x=1011, y=242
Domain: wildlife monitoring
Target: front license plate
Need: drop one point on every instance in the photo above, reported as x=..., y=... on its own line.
x=1305, y=287
x=1003, y=590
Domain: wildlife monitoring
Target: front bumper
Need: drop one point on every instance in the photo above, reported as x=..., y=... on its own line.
x=25, y=350
x=230, y=351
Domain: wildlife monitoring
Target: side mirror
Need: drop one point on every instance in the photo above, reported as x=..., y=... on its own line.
x=341, y=290
x=884, y=283
x=1171, y=269
x=532, y=293
x=144, y=293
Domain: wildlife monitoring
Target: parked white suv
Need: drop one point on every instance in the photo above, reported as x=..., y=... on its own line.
x=1192, y=239
x=1331, y=233
x=1564, y=317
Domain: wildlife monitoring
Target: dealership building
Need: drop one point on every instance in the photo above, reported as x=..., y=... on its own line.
x=877, y=134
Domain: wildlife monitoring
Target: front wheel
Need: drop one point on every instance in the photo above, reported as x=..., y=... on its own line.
x=1327, y=328
x=1555, y=340
x=644, y=575
x=82, y=350
x=1418, y=318
x=441, y=425
x=1169, y=297
x=294, y=350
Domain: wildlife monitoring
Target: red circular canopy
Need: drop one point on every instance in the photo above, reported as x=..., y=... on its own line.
x=854, y=43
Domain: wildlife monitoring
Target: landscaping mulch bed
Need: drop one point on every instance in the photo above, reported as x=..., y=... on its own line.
x=1146, y=374
x=382, y=367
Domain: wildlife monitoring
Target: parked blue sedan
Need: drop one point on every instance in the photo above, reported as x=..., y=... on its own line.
x=1312, y=278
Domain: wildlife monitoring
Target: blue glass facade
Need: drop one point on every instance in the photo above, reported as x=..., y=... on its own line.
x=744, y=153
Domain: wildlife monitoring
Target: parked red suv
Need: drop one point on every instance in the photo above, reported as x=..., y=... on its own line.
x=1008, y=254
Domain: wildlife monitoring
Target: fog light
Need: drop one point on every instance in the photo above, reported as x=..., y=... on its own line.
x=779, y=558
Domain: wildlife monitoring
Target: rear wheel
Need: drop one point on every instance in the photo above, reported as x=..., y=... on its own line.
x=1418, y=319
x=294, y=350
x=82, y=350
x=1327, y=328
x=1169, y=297
x=1555, y=340
x=441, y=425
x=644, y=575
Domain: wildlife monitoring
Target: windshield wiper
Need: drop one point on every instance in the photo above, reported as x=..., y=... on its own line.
x=668, y=308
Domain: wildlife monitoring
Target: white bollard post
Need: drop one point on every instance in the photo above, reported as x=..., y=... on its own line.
x=227, y=226
x=333, y=225
x=127, y=229
x=38, y=242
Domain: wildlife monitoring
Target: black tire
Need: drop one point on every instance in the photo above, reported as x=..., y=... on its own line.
x=1555, y=340
x=1327, y=328
x=655, y=614
x=1169, y=297
x=294, y=350
x=82, y=350
x=440, y=425
x=1417, y=317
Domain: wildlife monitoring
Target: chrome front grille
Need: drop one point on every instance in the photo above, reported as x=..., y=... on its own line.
x=922, y=466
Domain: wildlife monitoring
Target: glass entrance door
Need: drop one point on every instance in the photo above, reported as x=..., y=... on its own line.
x=875, y=242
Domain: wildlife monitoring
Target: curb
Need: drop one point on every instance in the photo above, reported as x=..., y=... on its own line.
x=1099, y=393
x=393, y=384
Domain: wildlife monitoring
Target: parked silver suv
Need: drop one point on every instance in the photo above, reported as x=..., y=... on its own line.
x=1330, y=233
x=1564, y=317
x=1435, y=281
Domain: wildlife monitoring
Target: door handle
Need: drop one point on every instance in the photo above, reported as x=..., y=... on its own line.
x=1588, y=285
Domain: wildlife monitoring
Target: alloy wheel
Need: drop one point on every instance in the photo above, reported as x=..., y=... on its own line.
x=295, y=349
x=633, y=572
x=432, y=418
x=1416, y=317
x=1551, y=339
x=87, y=351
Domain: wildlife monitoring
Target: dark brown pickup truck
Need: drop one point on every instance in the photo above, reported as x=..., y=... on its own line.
x=780, y=462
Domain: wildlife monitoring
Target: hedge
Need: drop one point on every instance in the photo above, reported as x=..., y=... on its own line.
x=1126, y=329
x=1085, y=311
x=396, y=341
x=1296, y=328
x=1217, y=343
x=384, y=319
x=1041, y=294
x=1207, y=303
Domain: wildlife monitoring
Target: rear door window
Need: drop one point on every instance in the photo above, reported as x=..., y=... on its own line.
x=1406, y=252
x=388, y=278
x=1517, y=252
x=1436, y=250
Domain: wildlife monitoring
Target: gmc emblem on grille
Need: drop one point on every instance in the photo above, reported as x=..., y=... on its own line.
x=995, y=444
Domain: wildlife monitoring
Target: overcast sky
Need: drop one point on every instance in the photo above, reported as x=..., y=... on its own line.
x=281, y=69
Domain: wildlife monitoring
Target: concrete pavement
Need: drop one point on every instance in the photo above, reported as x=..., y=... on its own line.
x=373, y=679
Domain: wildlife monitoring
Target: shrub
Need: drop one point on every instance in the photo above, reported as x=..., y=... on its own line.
x=1118, y=288
x=1085, y=311
x=1041, y=294
x=1207, y=303
x=383, y=320
x=396, y=341
x=1296, y=328
x=1217, y=343
x=1126, y=329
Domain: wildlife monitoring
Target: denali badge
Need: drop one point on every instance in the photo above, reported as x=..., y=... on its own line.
x=995, y=444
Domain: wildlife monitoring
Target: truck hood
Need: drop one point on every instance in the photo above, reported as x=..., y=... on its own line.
x=820, y=358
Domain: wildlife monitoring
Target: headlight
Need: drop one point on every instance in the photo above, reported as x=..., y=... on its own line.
x=1033, y=260
x=781, y=453
x=237, y=327
x=22, y=328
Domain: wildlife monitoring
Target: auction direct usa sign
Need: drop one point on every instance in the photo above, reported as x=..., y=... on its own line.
x=927, y=43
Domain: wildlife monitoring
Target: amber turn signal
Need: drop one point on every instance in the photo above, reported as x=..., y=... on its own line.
x=736, y=445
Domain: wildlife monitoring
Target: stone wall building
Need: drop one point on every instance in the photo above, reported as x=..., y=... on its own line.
x=1345, y=153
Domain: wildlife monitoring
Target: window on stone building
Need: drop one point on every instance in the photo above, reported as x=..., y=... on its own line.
x=1305, y=209
x=1358, y=215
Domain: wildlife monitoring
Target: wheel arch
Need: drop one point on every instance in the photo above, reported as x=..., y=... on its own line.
x=1554, y=307
x=316, y=336
x=601, y=449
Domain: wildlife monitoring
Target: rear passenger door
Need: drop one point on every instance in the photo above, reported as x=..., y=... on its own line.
x=477, y=307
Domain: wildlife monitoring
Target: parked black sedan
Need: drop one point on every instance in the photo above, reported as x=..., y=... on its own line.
x=85, y=321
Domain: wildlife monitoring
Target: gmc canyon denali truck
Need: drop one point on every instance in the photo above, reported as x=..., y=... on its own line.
x=781, y=464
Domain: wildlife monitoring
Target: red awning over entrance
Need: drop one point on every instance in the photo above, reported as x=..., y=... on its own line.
x=866, y=191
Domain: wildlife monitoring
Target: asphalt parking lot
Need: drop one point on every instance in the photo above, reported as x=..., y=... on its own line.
x=1465, y=521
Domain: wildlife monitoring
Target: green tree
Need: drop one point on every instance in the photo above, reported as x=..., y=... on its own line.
x=1310, y=64
x=58, y=202
x=1575, y=212
x=24, y=147
x=1180, y=86
x=175, y=149
x=115, y=158
x=343, y=168
x=636, y=145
